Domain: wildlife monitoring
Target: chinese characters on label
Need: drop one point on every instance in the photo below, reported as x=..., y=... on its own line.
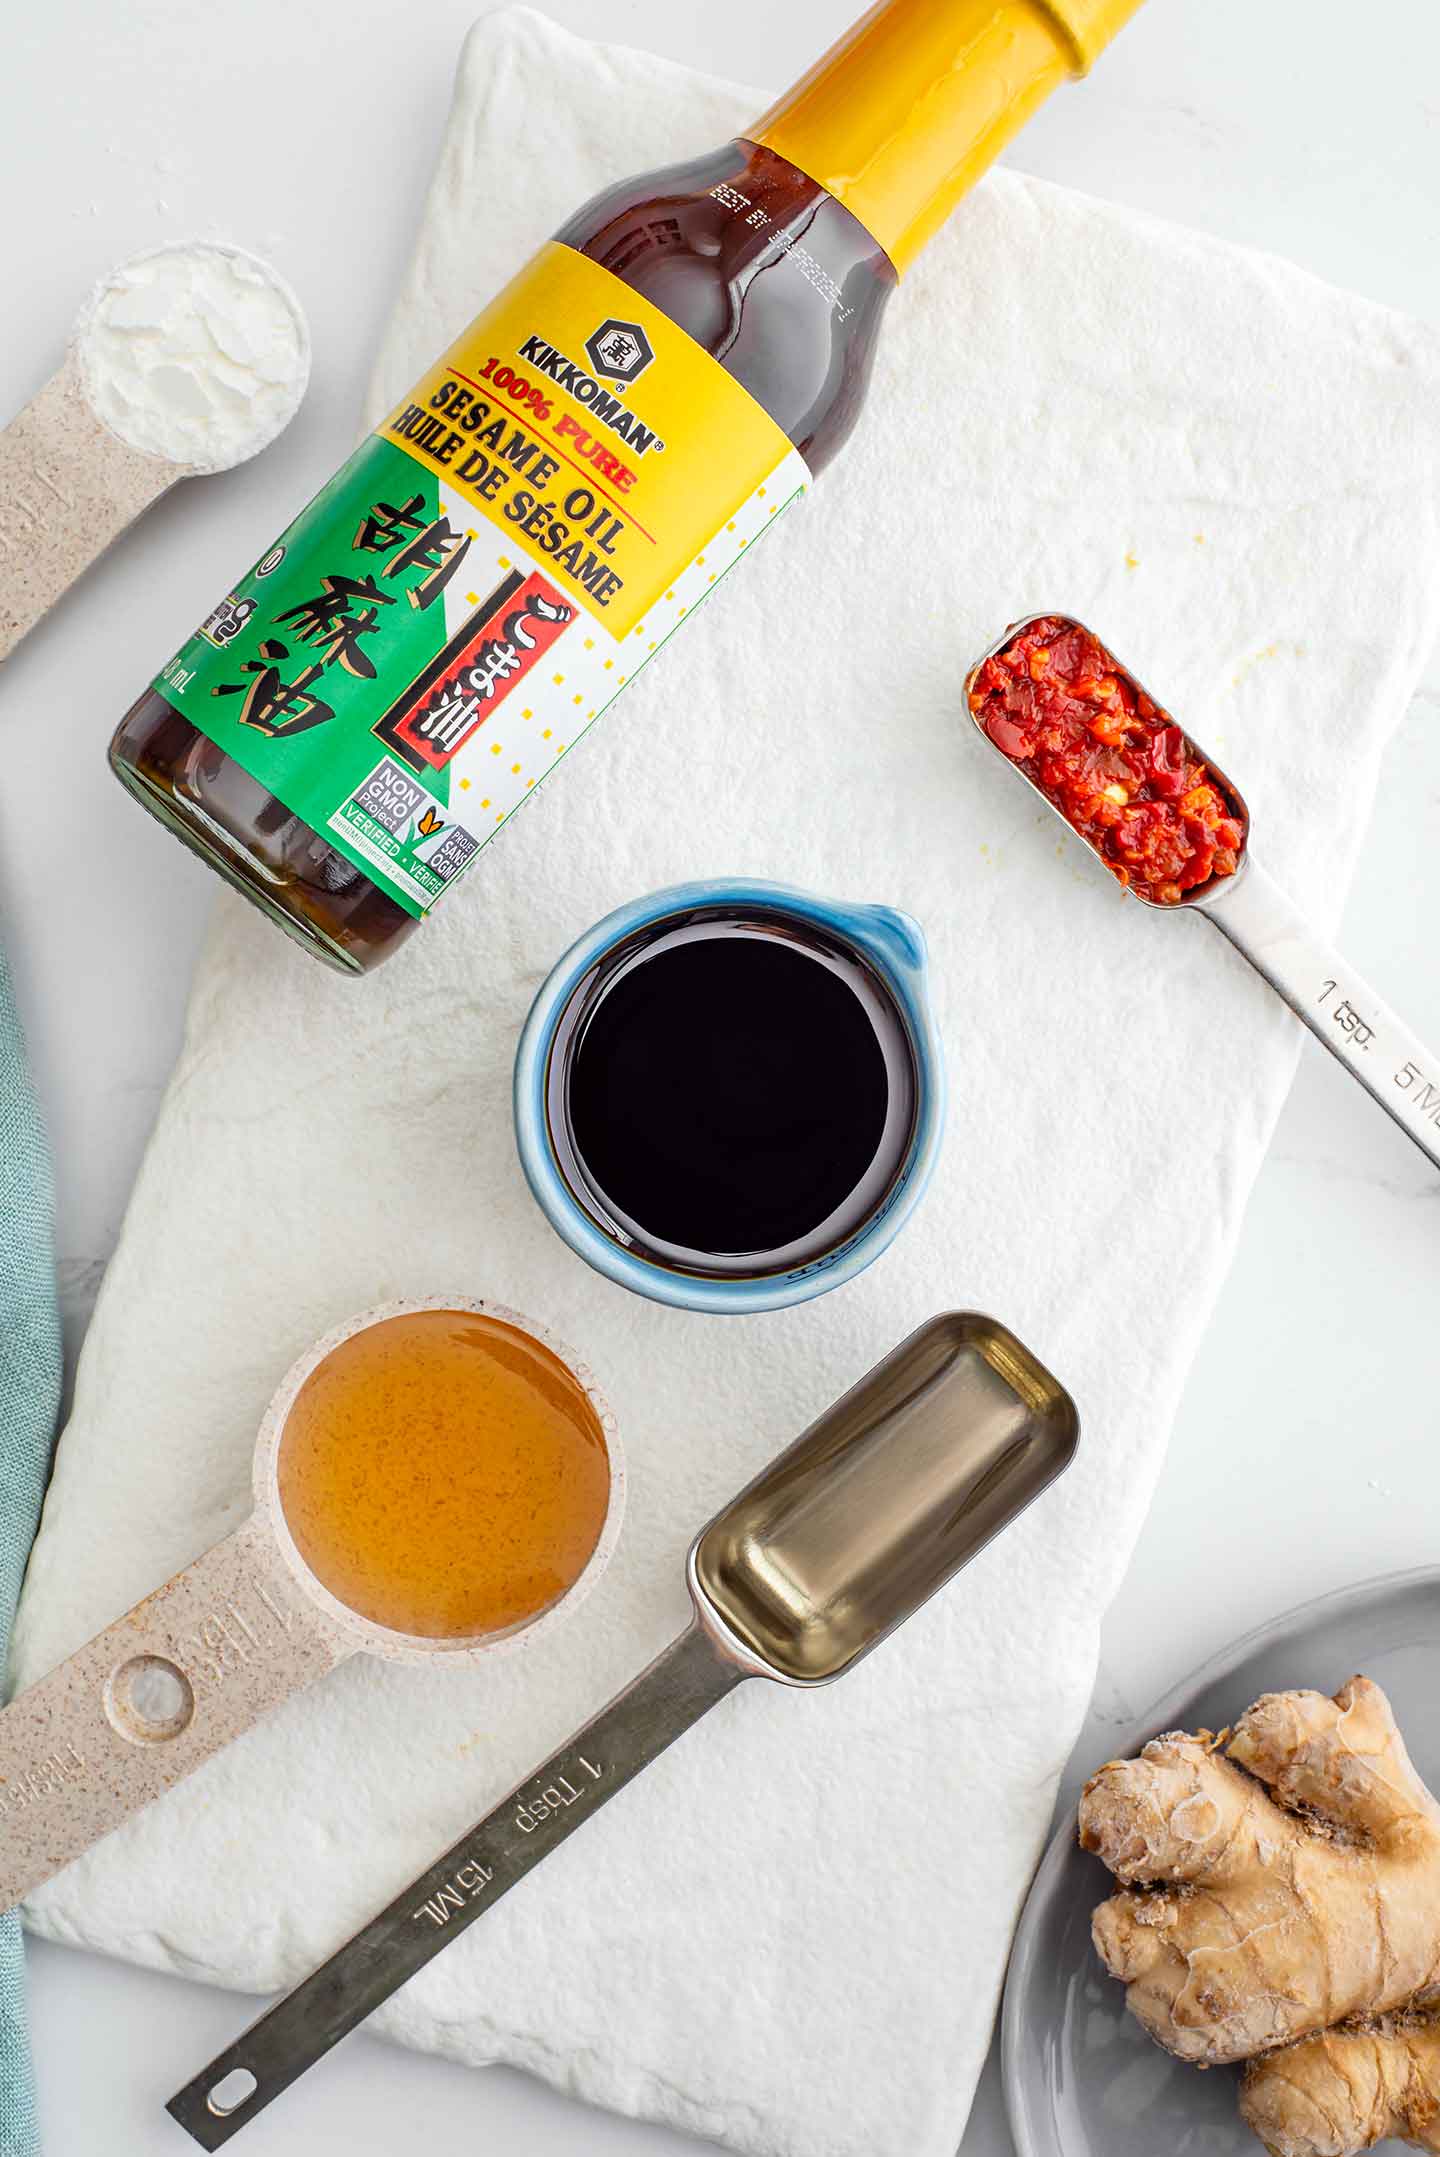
x=330, y=625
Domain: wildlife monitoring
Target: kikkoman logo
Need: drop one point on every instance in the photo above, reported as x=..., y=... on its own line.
x=621, y=351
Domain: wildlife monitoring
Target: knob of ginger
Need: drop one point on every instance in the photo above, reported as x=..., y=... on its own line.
x=1346, y=2090
x=1278, y=1882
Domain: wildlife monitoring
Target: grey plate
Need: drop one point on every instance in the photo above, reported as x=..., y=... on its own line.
x=1081, y=2077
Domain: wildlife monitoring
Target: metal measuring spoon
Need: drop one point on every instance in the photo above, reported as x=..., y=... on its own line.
x=832, y=1546
x=145, y=1702
x=86, y=457
x=1250, y=908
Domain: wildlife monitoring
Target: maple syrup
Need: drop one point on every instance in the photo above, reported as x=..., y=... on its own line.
x=444, y=1474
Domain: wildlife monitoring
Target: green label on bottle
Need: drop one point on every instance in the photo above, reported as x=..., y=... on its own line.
x=489, y=570
x=293, y=672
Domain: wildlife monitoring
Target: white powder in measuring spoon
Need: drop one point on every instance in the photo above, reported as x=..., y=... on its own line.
x=196, y=353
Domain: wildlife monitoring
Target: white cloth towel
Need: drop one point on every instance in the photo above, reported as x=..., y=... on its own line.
x=790, y=1934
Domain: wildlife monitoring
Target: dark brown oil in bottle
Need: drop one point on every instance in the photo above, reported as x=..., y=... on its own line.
x=776, y=255
x=732, y=1094
x=735, y=290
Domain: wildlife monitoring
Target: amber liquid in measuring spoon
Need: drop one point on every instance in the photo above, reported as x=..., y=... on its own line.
x=444, y=1474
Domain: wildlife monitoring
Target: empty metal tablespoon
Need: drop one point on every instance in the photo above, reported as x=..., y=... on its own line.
x=1270, y=931
x=832, y=1546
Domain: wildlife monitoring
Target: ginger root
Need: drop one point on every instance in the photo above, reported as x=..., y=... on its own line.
x=1280, y=1880
x=1348, y=2089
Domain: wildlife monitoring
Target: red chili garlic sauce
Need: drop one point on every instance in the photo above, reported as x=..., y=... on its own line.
x=1115, y=765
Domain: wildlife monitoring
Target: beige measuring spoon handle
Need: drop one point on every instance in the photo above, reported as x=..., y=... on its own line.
x=144, y=1702
x=68, y=487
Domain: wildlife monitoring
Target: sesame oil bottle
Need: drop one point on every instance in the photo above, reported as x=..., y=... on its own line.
x=567, y=483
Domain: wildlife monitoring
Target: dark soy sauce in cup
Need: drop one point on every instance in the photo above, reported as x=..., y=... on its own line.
x=732, y=1093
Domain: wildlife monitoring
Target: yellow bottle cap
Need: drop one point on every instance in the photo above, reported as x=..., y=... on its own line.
x=920, y=96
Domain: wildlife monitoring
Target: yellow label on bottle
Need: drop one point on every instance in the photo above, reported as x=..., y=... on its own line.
x=586, y=425
x=427, y=640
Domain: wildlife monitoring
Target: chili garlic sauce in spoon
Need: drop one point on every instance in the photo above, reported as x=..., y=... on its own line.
x=1122, y=774
x=1175, y=833
x=444, y=1474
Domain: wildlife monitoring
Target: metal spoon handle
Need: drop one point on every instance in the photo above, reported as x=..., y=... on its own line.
x=1336, y=1005
x=684, y=1680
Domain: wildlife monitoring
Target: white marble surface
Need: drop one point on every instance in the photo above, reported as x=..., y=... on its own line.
x=1304, y=1454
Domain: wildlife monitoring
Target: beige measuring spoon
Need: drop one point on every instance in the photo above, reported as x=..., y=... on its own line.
x=837, y=1542
x=185, y=360
x=1261, y=921
x=246, y=1625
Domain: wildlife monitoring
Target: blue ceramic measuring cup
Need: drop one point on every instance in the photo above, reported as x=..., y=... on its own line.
x=889, y=944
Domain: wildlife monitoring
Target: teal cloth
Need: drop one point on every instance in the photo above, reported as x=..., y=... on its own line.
x=29, y=1400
